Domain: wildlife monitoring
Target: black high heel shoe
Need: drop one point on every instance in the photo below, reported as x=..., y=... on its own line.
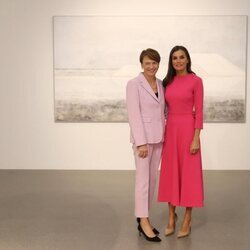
x=154, y=229
x=152, y=239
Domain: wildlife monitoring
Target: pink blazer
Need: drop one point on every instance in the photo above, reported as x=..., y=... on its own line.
x=146, y=112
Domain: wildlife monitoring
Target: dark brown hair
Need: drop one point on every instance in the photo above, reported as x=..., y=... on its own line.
x=151, y=54
x=171, y=71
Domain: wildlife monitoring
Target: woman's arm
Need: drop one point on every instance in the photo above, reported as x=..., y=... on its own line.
x=195, y=145
x=134, y=114
x=198, y=105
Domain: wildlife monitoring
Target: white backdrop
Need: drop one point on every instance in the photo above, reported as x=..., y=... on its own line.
x=29, y=137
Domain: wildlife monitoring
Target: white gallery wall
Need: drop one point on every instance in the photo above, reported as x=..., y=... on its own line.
x=29, y=137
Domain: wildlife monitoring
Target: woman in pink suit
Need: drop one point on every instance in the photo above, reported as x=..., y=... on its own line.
x=181, y=182
x=145, y=106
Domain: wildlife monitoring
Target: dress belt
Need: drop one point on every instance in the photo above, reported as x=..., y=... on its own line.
x=179, y=113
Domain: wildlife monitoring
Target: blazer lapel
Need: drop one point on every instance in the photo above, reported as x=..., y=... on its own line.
x=159, y=89
x=147, y=87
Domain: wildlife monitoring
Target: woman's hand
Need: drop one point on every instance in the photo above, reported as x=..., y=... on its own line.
x=195, y=146
x=142, y=151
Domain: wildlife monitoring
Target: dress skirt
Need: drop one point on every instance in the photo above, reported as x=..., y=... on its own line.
x=181, y=181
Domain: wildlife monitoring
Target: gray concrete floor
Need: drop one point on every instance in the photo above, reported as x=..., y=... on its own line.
x=94, y=210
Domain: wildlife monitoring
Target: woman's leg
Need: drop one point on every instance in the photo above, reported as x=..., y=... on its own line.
x=186, y=225
x=155, y=158
x=155, y=151
x=172, y=217
x=142, y=191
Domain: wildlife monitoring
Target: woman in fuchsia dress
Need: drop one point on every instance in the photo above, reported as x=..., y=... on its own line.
x=181, y=182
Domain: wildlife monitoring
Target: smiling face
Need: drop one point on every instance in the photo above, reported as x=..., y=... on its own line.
x=179, y=62
x=149, y=66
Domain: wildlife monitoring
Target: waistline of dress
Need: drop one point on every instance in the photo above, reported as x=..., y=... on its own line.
x=181, y=113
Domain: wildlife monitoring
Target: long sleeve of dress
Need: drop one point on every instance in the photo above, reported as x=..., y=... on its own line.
x=198, y=104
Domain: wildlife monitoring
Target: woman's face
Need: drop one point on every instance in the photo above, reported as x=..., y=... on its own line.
x=179, y=61
x=149, y=66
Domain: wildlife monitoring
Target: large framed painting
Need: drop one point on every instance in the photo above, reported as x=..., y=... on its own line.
x=95, y=56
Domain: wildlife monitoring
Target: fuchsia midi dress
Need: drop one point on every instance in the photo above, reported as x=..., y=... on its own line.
x=181, y=181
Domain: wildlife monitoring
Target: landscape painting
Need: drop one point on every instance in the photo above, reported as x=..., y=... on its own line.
x=95, y=56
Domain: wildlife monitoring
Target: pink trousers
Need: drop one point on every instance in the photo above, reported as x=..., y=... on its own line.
x=145, y=179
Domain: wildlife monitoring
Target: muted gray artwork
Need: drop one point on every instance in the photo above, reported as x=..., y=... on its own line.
x=95, y=56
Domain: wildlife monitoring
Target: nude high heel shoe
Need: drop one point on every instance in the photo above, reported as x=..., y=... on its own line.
x=183, y=234
x=170, y=231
